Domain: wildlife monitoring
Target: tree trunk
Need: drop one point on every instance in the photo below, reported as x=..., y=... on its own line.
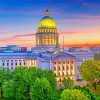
x=94, y=84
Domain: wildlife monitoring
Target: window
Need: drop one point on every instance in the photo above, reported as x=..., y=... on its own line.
x=71, y=67
x=11, y=68
x=62, y=73
x=71, y=73
x=59, y=79
x=72, y=62
x=7, y=64
x=67, y=67
x=3, y=64
x=20, y=63
x=24, y=63
x=59, y=68
x=63, y=67
x=55, y=62
x=54, y=68
x=16, y=63
x=63, y=62
x=11, y=64
x=58, y=73
x=68, y=62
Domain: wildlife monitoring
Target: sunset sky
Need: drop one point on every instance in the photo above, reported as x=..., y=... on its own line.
x=77, y=20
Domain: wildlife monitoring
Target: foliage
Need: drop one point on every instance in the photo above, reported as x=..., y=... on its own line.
x=5, y=75
x=87, y=92
x=41, y=90
x=90, y=71
x=17, y=84
x=8, y=89
x=75, y=94
x=68, y=83
x=50, y=77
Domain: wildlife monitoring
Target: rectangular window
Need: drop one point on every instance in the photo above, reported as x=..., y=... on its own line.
x=11, y=64
x=71, y=67
x=63, y=67
x=59, y=68
x=20, y=63
x=7, y=64
x=54, y=68
x=67, y=68
x=72, y=62
x=3, y=64
x=16, y=63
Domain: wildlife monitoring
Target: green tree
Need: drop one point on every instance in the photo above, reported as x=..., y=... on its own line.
x=90, y=71
x=68, y=83
x=21, y=85
x=87, y=92
x=9, y=89
x=75, y=94
x=5, y=75
x=41, y=90
x=50, y=77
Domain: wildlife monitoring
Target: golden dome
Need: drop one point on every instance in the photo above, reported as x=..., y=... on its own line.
x=47, y=22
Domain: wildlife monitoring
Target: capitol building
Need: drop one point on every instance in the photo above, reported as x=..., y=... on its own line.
x=46, y=55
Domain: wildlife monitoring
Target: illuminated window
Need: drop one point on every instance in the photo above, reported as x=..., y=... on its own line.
x=71, y=67
x=62, y=73
x=72, y=62
x=55, y=62
x=68, y=62
x=59, y=68
x=59, y=79
x=63, y=62
x=71, y=73
x=67, y=68
x=63, y=67
x=58, y=73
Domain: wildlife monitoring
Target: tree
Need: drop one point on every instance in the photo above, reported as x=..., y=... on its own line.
x=90, y=71
x=41, y=90
x=5, y=75
x=50, y=77
x=87, y=92
x=75, y=94
x=9, y=89
x=68, y=83
x=22, y=86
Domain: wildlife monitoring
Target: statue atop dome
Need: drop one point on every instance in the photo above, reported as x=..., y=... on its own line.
x=47, y=12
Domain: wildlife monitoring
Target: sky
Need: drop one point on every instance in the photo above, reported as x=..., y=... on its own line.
x=77, y=20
